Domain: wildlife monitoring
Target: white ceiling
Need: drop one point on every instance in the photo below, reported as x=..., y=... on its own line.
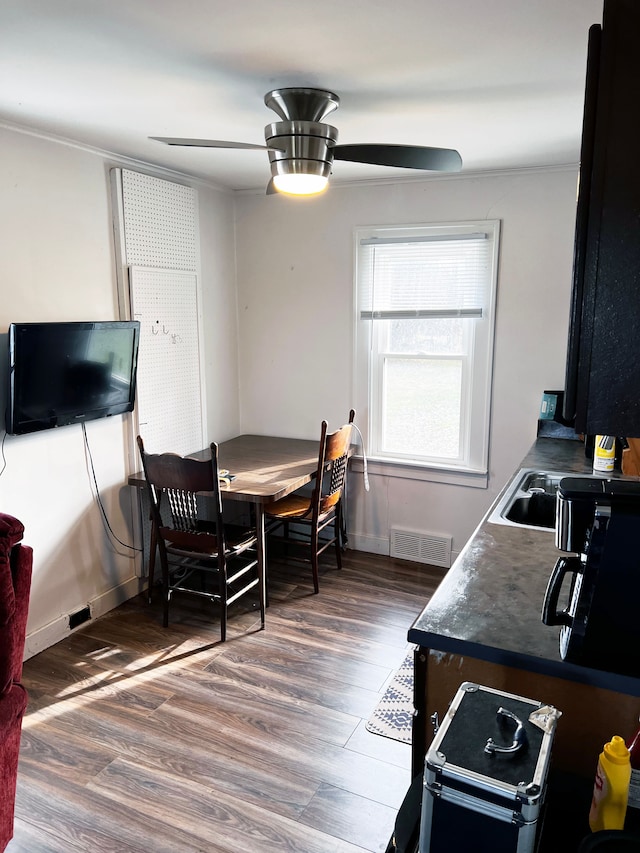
x=502, y=81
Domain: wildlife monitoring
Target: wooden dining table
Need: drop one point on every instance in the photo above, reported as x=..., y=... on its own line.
x=265, y=469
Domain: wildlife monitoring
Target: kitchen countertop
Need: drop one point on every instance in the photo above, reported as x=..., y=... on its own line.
x=488, y=605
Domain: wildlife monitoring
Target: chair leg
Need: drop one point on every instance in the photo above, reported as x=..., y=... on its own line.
x=263, y=593
x=344, y=539
x=337, y=532
x=263, y=578
x=338, y=547
x=153, y=546
x=314, y=560
x=165, y=593
x=261, y=555
x=224, y=590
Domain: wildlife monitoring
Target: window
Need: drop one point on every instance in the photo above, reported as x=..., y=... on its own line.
x=424, y=342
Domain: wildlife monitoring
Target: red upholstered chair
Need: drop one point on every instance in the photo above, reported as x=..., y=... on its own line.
x=15, y=585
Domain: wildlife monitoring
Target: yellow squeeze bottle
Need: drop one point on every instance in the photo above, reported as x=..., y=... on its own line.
x=611, y=787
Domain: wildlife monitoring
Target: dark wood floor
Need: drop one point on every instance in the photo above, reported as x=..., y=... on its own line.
x=143, y=739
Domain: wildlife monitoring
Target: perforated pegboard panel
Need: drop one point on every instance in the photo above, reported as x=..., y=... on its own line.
x=159, y=222
x=169, y=402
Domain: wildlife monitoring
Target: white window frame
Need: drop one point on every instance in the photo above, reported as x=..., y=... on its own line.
x=471, y=468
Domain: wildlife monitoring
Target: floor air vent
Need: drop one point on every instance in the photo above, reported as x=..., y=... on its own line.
x=421, y=547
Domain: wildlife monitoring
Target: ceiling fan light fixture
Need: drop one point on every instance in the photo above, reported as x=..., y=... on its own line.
x=300, y=183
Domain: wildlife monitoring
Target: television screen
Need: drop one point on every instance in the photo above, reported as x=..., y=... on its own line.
x=66, y=373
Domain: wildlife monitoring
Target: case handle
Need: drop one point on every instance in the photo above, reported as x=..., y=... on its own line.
x=550, y=613
x=519, y=735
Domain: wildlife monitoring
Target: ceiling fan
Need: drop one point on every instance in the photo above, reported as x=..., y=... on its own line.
x=302, y=147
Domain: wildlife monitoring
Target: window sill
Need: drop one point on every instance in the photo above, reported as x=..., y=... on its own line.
x=426, y=473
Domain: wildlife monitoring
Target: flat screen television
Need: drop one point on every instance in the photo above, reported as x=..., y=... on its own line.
x=68, y=373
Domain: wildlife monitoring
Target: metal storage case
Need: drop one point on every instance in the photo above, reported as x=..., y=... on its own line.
x=485, y=774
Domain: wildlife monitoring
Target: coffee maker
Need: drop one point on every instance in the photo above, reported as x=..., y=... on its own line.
x=598, y=523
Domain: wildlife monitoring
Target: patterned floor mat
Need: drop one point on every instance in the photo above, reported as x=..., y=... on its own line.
x=393, y=715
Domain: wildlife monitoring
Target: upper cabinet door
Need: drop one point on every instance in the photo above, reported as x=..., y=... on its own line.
x=604, y=341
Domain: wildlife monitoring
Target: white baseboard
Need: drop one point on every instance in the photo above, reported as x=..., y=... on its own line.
x=371, y=544
x=57, y=630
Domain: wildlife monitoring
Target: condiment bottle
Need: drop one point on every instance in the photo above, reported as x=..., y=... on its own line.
x=604, y=453
x=611, y=787
x=634, y=784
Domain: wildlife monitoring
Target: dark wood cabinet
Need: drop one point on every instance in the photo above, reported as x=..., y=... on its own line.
x=603, y=362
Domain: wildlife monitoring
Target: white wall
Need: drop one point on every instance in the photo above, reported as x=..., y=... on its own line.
x=295, y=291
x=57, y=263
x=219, y=308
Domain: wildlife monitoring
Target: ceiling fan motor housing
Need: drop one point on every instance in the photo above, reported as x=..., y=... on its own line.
x=302, y=104
x=300, y=147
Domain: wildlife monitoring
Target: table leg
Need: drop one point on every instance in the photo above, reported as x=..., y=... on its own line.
x=262, y=560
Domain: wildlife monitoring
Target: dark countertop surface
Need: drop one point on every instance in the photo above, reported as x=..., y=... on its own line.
x=488, y=605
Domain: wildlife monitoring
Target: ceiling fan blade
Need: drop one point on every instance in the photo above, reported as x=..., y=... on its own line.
x=402, y=156
x=206, y=143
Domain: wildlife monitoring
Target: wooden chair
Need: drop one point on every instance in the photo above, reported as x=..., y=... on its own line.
x=311, y=514
x=196, y=550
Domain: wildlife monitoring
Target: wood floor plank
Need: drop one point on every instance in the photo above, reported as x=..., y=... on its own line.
x=382, y=748
x=324, y=663
x=188, y=753
x=319, y=760
x=353, y=818
x=87, y=821
x=363, y=605
x=212, y=816
x=139, y=738
x=74, y=754
x=305, y=686
x=63, y=678
x=28, y=838
x=241, y=704
x=313, y=629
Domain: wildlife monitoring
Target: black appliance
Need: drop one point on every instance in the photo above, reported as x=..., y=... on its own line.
x=597, y=521
x=66, y=373
x=603, y=363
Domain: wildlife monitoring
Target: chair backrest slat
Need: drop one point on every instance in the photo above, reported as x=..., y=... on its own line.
x=184, y=508
x=180, y=479
x=332, y=465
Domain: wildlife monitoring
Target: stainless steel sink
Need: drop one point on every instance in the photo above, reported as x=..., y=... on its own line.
x=530, y=500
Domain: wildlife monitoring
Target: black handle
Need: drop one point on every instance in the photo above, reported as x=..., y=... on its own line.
x=550, y=613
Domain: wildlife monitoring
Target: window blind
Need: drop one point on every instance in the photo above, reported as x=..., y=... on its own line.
x=426, y=276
